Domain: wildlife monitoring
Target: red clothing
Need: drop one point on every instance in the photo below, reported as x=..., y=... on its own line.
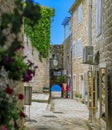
x=63, y=87
x=67, y=88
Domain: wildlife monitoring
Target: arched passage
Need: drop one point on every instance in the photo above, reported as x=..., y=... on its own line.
x=56, y=91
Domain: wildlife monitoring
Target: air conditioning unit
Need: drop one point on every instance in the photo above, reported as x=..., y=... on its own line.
x=88, y=55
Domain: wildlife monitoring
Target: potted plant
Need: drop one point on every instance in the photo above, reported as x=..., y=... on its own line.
x=61, y=79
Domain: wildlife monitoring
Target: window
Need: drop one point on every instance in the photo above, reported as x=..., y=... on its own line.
x=80, y=13
x=79, y=48
x=98, y=17
x=73, y=50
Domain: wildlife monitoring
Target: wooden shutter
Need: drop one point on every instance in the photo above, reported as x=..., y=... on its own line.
x=98, y=17
x=80, y=13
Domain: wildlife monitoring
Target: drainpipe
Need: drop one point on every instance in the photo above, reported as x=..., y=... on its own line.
x=90, y=41
x=71, y=68
x=71, y=71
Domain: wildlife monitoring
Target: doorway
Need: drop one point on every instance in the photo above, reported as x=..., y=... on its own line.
x=56, y=91
x=82, y=91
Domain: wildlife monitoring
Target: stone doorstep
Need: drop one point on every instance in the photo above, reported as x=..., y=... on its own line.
x=78, y=99
x=40, y=97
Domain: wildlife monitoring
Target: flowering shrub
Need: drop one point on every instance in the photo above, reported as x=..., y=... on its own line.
x=17, y=70
x=8, y=109
x=16, y=67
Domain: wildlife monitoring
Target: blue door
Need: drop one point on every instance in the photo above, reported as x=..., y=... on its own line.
x=56, y=87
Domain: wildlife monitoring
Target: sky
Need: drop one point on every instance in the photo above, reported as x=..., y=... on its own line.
x=61, y=12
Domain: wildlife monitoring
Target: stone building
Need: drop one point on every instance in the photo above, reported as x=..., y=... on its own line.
x=41, y=78
x=67, y=55
x=102, y=42
x=91, y=25
x=79, y=39
x=56, y=52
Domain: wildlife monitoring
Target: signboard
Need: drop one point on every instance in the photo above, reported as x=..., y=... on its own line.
x=57, y=73
x=28, y=95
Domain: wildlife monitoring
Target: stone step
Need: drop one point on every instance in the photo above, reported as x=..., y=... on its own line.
x=40, y=97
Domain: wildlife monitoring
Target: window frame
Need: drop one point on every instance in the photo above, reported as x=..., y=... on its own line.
x=80, y=13
x=79, y=55
x=74, y=50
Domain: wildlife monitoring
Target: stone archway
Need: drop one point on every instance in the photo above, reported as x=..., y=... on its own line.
x=56, y=70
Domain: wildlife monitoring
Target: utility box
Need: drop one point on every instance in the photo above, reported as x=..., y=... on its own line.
x=28, y=95
x=88, y=55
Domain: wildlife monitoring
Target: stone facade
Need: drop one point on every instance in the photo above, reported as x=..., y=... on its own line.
x=67, y=56
x=41, y=78
x=79, y=32
x=67, y=63
x=103, y=44
x=56, y=50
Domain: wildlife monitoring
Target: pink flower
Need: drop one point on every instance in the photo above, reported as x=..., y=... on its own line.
x=22, y=47
x=27, y=78
x=9, y=90
x=21, y=96
x=22, y=115
x=29, y=71
x=19, y=47
x=8, y=59
x=4, y=127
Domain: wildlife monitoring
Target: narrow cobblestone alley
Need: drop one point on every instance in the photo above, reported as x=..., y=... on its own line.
x=61, y=114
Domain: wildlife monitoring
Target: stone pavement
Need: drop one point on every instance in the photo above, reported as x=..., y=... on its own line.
x=60, y=114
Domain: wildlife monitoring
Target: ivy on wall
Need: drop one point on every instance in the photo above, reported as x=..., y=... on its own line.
x=40, y=33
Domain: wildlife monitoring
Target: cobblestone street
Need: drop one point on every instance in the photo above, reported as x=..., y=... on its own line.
x=61, y=114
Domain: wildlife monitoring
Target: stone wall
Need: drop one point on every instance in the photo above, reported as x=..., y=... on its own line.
x=7, y=6
x=79, y=31
x=67, y=55
x=103, y=44
x=41, y=77
x=58, y=51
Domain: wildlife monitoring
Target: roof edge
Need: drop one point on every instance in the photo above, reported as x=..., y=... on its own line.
x=74, y=5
